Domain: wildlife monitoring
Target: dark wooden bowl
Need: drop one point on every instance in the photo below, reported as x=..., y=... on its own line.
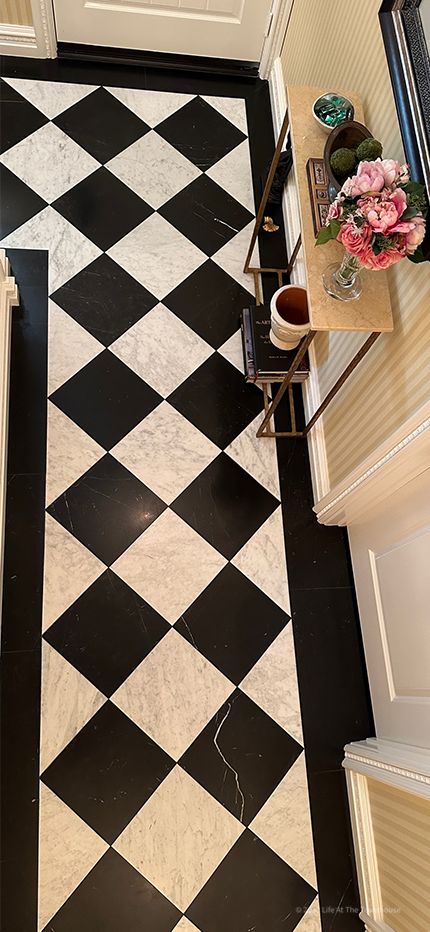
x=347, y=135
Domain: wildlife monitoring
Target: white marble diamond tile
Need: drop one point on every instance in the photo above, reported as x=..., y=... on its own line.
x=263, y=560
x=147, y=452
x=153, y=169
x=162, y=350
x=157, y=255
x=68, y=850
x=233, y=352
x=68, y=700
x=69, y=250
x=70, y=347
x=311, y=921
x=272, y=684
x=179, y=838
x=150, y=106
x=70, y=452
x=69, y=569
x=232, y=108
x=233, y=173
x=173, y=694
x=257, y=456
x=231, y=257
x=284, y=822
x=50, y=97
x=184, y=925
x=169, y=565
x=49, y=161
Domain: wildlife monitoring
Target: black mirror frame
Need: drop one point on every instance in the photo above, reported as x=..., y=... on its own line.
x=409, y=63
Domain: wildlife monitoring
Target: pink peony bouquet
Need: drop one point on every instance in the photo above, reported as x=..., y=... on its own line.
x=378, y=215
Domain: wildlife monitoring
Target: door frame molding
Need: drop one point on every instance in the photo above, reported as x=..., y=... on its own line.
x=277, y=26
x=399, y=765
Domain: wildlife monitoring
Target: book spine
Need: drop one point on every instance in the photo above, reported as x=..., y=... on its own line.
x=247, y=346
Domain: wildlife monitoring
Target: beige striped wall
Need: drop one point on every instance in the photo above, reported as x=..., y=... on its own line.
x=338, y=43
x=16, y=12
x=401, y=830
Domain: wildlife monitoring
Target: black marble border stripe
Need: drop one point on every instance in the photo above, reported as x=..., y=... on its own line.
x=22, y=595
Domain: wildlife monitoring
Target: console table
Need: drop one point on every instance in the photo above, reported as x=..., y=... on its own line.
x=371, y=313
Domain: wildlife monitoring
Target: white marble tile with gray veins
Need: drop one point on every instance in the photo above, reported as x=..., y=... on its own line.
x=272, y=684
x=151, y=106
x=173, y=694
x=70, y=347
x=67, y=162
x=70, y=452
x=256, y=456
x=169, y=565
x=231, y=258
x=232, y=108
x=153, y=169
x=69, y=569
x=147, y=452
x=50, y=97
x=162, y=350
x=263, y=560
x=233, y=173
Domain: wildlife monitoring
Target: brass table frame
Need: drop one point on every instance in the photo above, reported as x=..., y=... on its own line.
x=270, y=407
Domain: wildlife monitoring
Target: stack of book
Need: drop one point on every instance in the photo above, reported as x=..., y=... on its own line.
x=263, y=361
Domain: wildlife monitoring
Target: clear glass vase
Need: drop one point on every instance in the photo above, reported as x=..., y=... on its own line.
x=343, y=281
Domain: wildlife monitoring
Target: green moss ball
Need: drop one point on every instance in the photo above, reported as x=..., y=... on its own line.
x=368, y=150
x=343, y=161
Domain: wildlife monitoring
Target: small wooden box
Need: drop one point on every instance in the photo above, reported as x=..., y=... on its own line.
x=318, y=190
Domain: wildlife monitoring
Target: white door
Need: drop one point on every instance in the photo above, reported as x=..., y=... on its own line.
x=391, y=558
x=224, y=29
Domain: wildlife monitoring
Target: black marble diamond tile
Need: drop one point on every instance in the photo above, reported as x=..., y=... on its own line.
x=18, y=202
x=107, y=509
x=232, y=623
x=101, y=125
x=114, y=897
x=217, y=400
x=108, y=771
x=104, y=299
x=106, y=399
x=210, y=302
x=206, y=214
x=103, y=208
x=18, y=118
x=225, y=505
x=107, y=632
x=252, y=888
x=258, y=750
x=201, y=133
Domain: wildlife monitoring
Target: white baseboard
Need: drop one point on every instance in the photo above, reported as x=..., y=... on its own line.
x=311, y=389
x=8, y=300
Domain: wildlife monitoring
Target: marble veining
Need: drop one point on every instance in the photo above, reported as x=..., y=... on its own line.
x=69, y=250
x=263, y=560
x=151, y=106
x=179, y=837
x=147, y=452
x=169, y=256
x=68, y=850
x=169, y=565
x=191, y=689
x=259, y=459
x=69, y=451
x=69, y=569
x=233, y=173
x=153, y=169
x=162, y=349
x=49, y=146
x=231, y=258
x=50, y=97
x=70, y=348
x=272, y=684
x=68, y=702
x=232, y=108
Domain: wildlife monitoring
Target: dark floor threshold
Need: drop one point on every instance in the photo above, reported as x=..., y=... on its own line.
x=74, y=51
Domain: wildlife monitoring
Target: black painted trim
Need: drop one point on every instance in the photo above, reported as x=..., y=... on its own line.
x=22, y=594
x=193, y=63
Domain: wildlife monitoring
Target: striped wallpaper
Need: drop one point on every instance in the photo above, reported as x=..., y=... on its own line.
x=16, y=12
x=401, y=830
x=338, y=43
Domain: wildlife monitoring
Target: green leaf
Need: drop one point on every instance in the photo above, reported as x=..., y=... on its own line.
x=409, y=212
x=418, y=256
x=413, y=187
x=327, y=233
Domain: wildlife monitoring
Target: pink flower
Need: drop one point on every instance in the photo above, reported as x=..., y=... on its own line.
x=384, y=211
x=355, y=239
x=370, y=177
x=335, y=210
x=392, y=171
x=415, y=236
x=384, y=260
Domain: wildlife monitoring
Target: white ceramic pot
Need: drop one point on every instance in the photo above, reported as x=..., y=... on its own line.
x=289, y=316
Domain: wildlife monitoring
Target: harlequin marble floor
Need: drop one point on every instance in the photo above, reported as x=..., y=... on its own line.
x=173, y=787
